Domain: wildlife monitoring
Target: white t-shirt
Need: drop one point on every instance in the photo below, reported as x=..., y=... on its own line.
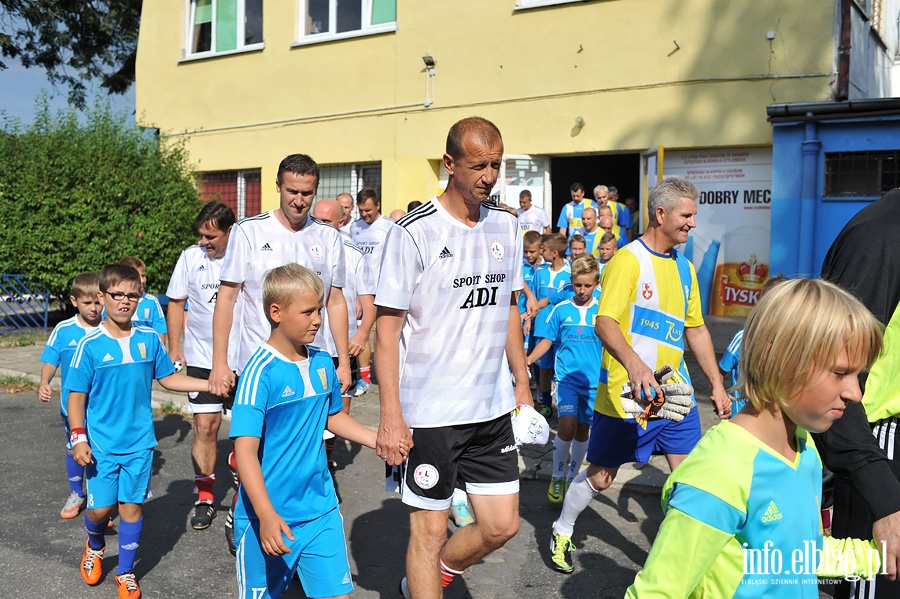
x=533, y=219
x=370, y=239
x=353, y=266
x=455, y=282
x=196, y=279
x=260, y=243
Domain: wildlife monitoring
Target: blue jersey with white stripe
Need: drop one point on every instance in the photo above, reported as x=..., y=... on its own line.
x=117, y=375
x=528, y=271
x=59, y=351
x=286, y=406
x=571, y=329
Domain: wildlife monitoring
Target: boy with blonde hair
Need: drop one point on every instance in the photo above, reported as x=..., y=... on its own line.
x=804, y=346
x=58, y=352
x=286, y=517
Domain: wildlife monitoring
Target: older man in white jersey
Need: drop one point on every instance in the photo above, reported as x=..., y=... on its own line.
x=196, y=278
x=447, y=320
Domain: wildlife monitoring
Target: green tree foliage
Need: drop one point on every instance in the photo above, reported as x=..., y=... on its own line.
x=78, y=193
x=73, y=41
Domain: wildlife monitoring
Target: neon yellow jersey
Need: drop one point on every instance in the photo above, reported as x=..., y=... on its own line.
x=882, y=396
x=653, y=297
x=742, y=521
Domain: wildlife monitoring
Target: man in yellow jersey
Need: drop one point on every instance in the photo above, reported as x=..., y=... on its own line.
x=650, y=305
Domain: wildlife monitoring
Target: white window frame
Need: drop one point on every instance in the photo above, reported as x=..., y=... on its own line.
x=366, y=27
x=526, y=4
x=190, y=11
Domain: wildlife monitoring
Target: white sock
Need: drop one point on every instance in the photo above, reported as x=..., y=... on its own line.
x=459, y=496
x=560, y=457
x=578, y=497
x=579, y=450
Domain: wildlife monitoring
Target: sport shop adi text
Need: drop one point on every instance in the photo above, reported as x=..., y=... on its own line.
x=480, y=296
x=811, y=560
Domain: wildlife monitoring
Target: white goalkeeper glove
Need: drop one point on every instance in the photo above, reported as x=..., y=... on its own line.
x=674, y=404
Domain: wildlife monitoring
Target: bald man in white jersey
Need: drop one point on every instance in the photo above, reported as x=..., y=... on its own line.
x=447, y=294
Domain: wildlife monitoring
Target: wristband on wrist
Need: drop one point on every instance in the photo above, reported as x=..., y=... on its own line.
x=77, y=435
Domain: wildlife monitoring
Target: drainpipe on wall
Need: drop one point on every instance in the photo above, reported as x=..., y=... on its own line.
x=842, y=92
x=808, y=198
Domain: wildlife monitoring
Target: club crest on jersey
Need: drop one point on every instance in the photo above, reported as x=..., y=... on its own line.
x=323, y=376
x=142, y=348
x=146, y=313
x=316, y=251
x=426, y=476
x=647, y=291
x=497, y=251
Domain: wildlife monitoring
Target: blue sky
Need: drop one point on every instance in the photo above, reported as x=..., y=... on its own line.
x=20, y=86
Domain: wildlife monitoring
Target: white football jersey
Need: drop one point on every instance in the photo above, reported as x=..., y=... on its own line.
x=260, y=243
x=370, y=238
x=196, y=278
x=353, y=265
x=455, y=283
x=533, y=219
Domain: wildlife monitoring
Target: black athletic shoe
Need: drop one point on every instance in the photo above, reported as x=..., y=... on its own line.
x=204, y=512
x=229, y=531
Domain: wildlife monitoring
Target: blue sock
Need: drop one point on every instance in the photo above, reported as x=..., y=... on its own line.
x=546, y=398
x=75, y=474
x=95, y=532
x=129, y=540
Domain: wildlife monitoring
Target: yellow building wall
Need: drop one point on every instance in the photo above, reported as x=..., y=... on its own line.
x=641, y=73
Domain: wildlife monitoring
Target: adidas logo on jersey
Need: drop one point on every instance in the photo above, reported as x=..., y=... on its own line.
x=287, y=392
x=445, y=253
x=772, y=514
x=73, y=343
x=346, y=579
x=108, y=358
x=266, y=247
x=568, y=319
x=202, y=267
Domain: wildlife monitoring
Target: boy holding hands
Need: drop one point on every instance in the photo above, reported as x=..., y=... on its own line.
x=286, y=517
x=115, y=364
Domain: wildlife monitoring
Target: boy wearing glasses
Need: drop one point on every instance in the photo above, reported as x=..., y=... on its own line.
x=115, y=364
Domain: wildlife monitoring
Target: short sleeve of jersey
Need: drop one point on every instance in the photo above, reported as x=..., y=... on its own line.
x=179, y=284
x=548, y=328
x=695, y=310
x=82, y=369
x=624, y=218
x=563, y=220
x=237, y=256
x=396, y=284
x=338, y=267
x=162, y=366
x=248, y=417
x=159, y=319
x=545, y=219
x=336, y=402
x=730, y=358
x=619, y=280
x=51, y=353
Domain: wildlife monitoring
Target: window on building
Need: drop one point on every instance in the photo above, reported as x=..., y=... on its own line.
x=861, y=174
x=241, y=190
x=535, y=3
x=225, y=26
x=330, y=19
x=335, y=179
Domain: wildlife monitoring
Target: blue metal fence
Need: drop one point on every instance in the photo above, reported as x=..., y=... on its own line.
x=24, y=304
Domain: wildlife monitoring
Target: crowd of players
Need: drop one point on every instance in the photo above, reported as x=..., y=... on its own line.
x=275, y=311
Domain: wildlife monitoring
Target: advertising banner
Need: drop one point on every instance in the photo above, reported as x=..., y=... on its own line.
x=730, y=246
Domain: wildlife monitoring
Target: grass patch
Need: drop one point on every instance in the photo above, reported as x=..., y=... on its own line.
x=23, y=339
x=17, y=384
x=170, y=407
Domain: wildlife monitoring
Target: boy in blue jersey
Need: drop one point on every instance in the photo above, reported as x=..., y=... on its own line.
x=753, y=485
x=58, y=352
x=531, y=262
x=570, y=328
x=286, y=518
x=116, y=364
x=148, y=313
x=731, y=358
x=577, y=246
x=553, y=250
